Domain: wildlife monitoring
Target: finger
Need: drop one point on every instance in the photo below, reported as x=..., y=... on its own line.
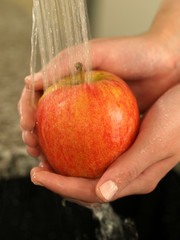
x=123, y=175
x=63, y=65
x=147, y=181
x=59, y=67
x=33, y=151
x=38, y=81
x=27, y=108
x=30, y=138
x=116, y=51
x=69, y=187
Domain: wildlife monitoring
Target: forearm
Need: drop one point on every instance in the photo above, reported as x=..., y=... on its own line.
x=167, y=20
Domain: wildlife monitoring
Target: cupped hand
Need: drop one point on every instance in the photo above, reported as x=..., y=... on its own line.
x=138, y=171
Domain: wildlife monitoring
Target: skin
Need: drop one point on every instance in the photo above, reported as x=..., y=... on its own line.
x=150, y=65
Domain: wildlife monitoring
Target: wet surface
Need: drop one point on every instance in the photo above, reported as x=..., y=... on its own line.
x=15, y=33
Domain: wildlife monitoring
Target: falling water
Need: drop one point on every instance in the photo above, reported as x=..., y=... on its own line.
x=62, y=30
x=33, y=48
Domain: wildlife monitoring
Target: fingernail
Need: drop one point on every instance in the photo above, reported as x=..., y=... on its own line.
x=27, y=81
x=28, y=78
x=108, y=190
x=34, y=179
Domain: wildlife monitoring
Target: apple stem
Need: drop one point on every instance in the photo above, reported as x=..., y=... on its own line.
x=80, y=70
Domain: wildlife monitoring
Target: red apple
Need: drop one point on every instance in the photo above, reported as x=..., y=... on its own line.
x=83, y=127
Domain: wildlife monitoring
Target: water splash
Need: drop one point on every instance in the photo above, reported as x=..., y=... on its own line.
x=111, y=225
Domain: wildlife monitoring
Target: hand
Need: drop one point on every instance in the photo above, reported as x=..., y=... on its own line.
x=147, y=63
x=155, y=152
x=148, y=66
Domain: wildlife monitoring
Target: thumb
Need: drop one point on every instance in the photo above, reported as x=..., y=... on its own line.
x=147, y=150
x=120, y=174
x=151, y=156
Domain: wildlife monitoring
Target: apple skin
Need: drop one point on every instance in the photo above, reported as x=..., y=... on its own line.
x=83, y=127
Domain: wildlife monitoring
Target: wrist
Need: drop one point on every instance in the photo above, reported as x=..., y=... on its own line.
x=166, y=24
x=165, y=29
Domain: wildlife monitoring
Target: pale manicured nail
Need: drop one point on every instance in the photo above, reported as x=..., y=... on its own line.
x=108, y=190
